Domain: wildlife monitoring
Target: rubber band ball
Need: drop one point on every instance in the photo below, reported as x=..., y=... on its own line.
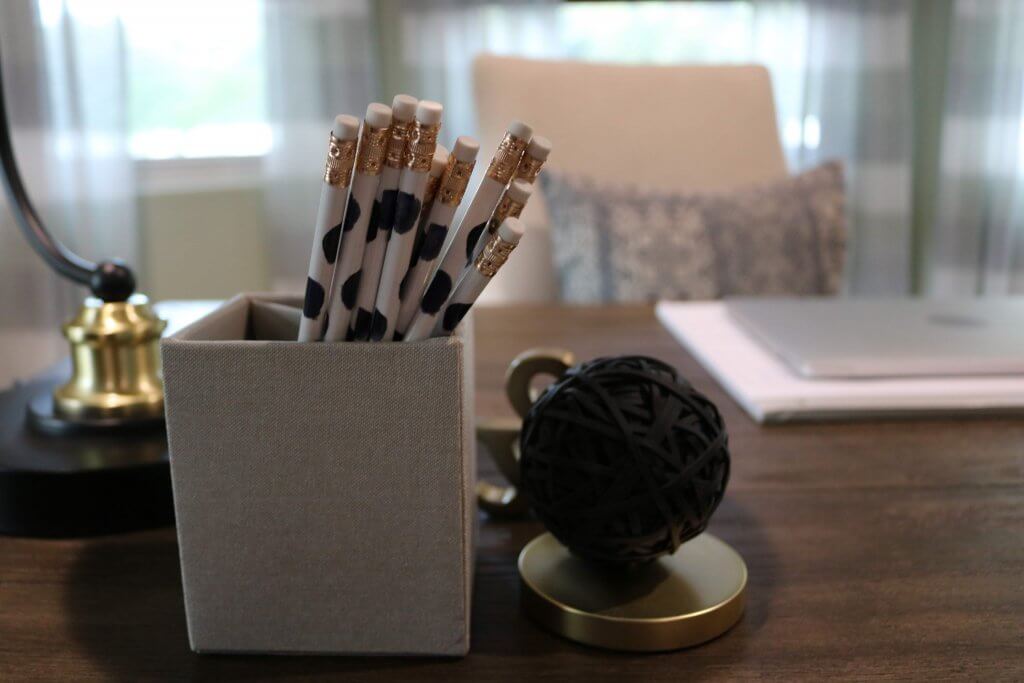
x=623, y=460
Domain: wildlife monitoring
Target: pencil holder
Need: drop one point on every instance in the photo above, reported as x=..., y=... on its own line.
x=323, y=491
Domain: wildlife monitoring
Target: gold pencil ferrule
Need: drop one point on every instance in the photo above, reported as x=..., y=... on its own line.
x=340, y=156
x=529, y=167
x=493, y=256
x=455, y=181
x=422, y=144
x=506, y=158
x=373, y=146
x=506, y=207
x=398, y=139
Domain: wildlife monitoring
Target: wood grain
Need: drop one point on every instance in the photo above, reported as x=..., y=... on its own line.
x=888, y=550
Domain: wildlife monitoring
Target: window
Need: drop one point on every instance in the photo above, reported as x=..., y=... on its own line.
x=196, y=78
x=658, y=32
x=701, y=32
x=195, y=75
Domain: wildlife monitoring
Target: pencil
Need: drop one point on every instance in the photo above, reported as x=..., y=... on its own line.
x=341, y=153
x=437, y=169
x=534, y=158
x=514, y=199
x=472, y=284
x=453, y=187
x=412, y=184
x=512, y=203
x=382, y=218
x=463, y=240
x=369, y=163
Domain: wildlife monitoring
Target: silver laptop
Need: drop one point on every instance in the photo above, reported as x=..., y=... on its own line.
x=822, y=337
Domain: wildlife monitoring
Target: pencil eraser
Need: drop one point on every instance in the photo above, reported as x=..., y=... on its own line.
x=519, y=191
x=466, y=148
x=439, y=162
x=520, y=130
x=378, y=115
x=539, y=147
x=403, y=107
x=511, y=229
x=428, y=112
x=345, y=127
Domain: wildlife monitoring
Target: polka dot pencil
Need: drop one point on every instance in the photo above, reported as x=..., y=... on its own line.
x=512, y=203
x=501, y=171
x=453, y=188
x=327, y=234
x=403, y=109
x=413, y=183
x=518, y=192
x=461, y=243
x=472, y=284
x=533, y=160
x=369, y=162
x=437, y=168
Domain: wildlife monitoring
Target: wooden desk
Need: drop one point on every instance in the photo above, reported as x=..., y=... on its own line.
x=876, y=550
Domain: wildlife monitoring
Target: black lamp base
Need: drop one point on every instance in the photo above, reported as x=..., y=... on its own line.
x=42, y=419
x=65, y=480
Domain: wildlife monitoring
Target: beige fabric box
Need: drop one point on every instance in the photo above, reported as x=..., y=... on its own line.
x=323, y=492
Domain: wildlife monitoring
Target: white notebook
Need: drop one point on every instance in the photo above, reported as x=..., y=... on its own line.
x=770, y=392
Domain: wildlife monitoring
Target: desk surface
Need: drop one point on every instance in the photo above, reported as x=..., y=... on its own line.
x=876, y=550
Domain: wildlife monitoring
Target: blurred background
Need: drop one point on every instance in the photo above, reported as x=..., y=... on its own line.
x=187, y=137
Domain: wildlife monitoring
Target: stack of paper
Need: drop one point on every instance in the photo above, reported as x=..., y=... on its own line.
x=770, y=392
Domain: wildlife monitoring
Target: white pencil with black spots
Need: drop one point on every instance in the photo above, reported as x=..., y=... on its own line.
x=473, y=283
x=511, y=205
x=462, y=241
x=441, y=156
x=453, y=187
x=437, y=169
x=341, y=154
x=500, y=173
x=373, y=142
x=382, y=215
x=533, y=160
x=422, y=145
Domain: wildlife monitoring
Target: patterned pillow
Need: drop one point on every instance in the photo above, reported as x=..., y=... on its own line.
x=617, y=244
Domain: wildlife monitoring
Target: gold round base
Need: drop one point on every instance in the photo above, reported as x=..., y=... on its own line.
x=677, y=601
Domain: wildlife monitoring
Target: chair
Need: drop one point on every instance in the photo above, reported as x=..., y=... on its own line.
x=661, y=127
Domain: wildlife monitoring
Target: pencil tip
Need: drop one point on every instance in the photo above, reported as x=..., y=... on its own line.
x=429, y=112
x=465, y=148
x=345, y=127
x=378, y=115
x=512, y=229
x=403, y=107
x=539, y=148
x=520, y=130
x=520, y=191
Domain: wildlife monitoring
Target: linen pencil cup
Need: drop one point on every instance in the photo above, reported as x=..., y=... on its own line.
x=323, y=491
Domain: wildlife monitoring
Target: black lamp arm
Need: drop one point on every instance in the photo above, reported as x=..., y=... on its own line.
x=109, y=280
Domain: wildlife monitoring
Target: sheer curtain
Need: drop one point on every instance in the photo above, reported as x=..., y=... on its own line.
x=977, y=242
x=320, y=62
x=841, y=74
x=844, y=78
x=427, y=47
x=63, y=72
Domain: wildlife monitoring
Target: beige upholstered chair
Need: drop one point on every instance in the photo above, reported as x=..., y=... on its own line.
x=661, y=127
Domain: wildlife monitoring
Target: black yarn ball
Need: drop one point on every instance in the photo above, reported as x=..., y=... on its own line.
x=623, y=460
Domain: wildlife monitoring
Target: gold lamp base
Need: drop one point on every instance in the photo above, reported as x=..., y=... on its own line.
x=677, y=601
x=115, y=359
